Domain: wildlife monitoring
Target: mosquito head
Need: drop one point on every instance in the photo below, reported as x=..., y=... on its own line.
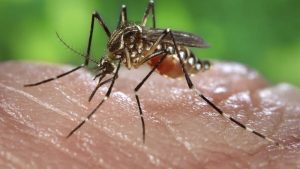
x=124, y=37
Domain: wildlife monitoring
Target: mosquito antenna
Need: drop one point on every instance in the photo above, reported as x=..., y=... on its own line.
x=72, y=49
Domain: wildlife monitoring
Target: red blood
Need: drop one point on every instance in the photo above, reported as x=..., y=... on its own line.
x=170, y=67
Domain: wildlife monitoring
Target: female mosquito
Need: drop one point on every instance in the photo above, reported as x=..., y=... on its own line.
x=134, y=44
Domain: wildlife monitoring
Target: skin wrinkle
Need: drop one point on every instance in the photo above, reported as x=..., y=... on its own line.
x=171, y=131
x=127, y=148
x=169, y=128
x=182, y=145
x=34, y=99
x=26, y=163
x=116, y=99
x=43, y=138
x=251, y=117
x=235, y=111
x=275, y=126
x=10, y=157
x=72, y=99
x=227, y=158
x=165, y=126
x=125, y=140
x=271, y=130
x=228, y=125
x=44, y=104
x=114, y=140
x=221, y=156
x=78, y=119
x=257, y=101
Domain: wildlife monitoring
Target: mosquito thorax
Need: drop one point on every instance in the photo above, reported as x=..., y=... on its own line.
x=124, y=37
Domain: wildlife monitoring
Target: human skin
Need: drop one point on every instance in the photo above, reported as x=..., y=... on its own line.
x=182, y=131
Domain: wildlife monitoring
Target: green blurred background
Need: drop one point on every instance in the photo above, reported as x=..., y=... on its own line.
x=264, y=34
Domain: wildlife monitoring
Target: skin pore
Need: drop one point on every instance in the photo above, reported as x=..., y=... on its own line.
x=182, y=131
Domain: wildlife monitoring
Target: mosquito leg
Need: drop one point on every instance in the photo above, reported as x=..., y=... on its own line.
x=150, y=8
x=164, y=54
x=103, y=25
x=142, y=117
x=98, y=86
x=97, y=75
x=103, y=100
x=217, y=109
x=86, y=62
x=157, y=42
x=141, y=84
x=123, y=16
x=54, y=78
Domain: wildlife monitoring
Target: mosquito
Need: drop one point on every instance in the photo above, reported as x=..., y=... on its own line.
x=134, y=44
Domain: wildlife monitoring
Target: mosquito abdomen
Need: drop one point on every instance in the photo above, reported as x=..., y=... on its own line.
x=171, y=67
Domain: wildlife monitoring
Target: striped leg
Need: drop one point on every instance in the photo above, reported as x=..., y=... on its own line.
x=98, y=86
x=87, y=57
x=150, y=8
x=225, y=115
x=54, y=78
x=103, y=100
x=137, y=88
x=123, y=16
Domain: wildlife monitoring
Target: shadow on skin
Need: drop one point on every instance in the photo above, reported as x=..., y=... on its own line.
x=182, y=131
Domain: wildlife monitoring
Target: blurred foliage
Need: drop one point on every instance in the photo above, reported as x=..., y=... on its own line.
x=262, y=34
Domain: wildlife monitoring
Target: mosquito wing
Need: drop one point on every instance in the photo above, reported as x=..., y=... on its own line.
x=181, y=38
